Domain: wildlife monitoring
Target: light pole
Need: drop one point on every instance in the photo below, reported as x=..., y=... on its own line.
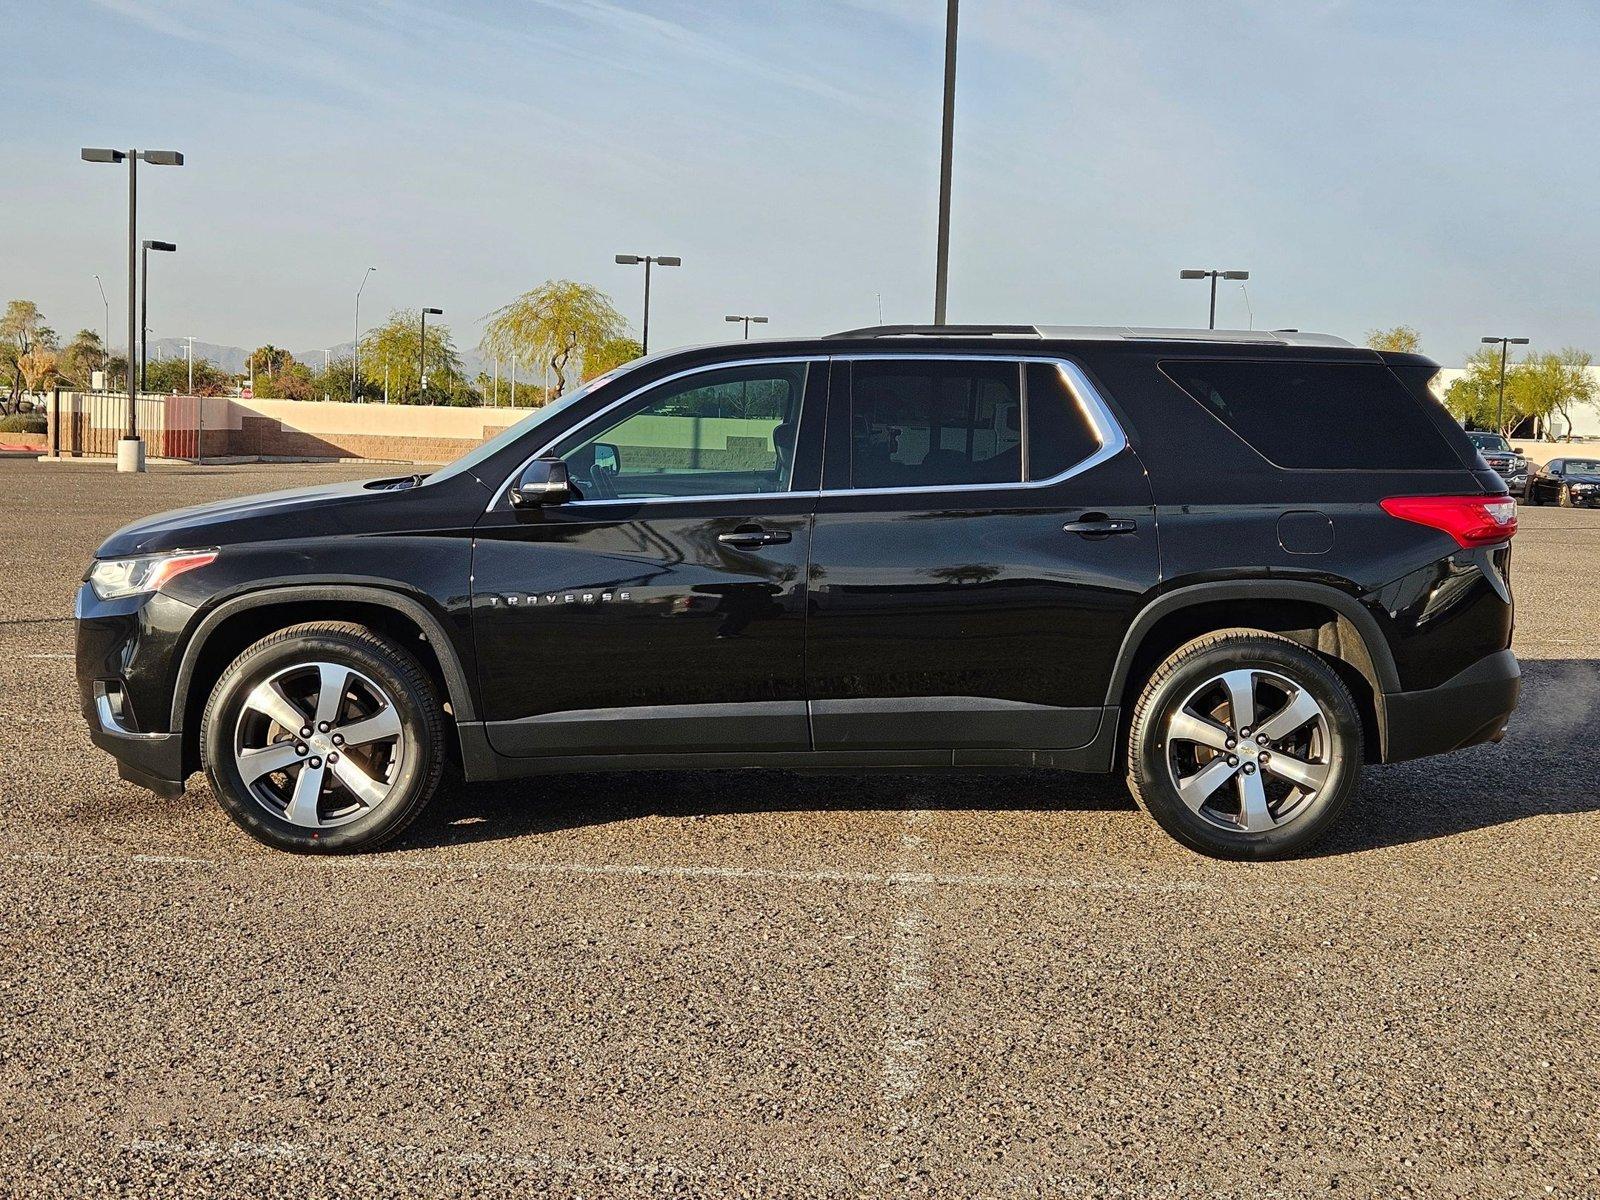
x=735, y=320
x=1213, y=276
x=1500, y=409
x=355, y=375
x=941, y=270
x=188, y=350
x=105, y=346
x=632, y=260
x=130, y=451
x=144, y=301
x=422, y=351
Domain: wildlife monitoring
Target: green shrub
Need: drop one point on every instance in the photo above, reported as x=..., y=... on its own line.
x=23, y=423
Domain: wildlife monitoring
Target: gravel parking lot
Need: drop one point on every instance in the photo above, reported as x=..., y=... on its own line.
x=772, y=985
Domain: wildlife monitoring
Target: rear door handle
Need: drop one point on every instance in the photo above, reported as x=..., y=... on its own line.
x=750, y=539
x=1099, y=525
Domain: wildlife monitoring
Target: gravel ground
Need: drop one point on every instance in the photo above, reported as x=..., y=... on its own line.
x=758, y=984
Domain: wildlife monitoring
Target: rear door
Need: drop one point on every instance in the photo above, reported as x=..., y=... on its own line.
x=665, y=610
x=982, y=541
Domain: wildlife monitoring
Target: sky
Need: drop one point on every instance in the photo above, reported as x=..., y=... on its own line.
x=1369, y=163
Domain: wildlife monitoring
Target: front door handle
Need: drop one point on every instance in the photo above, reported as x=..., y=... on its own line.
x=752, y=538
x=1096, y=525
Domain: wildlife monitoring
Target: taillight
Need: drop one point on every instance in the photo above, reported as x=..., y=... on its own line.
x=1471, y=520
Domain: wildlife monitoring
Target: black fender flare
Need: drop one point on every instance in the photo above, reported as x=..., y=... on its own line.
x=1342, y=603
x=462, y=703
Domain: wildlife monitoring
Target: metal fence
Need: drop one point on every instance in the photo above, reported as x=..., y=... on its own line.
x=89, y=424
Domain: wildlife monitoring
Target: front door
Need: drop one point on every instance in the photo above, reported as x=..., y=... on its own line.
x=664, y=611
x=981, y=544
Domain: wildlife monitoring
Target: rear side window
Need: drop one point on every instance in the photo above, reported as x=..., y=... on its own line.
x=1327, y=416
x=935, y=424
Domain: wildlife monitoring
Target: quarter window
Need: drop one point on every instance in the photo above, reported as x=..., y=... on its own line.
x=714, y=433
x=1318, y=415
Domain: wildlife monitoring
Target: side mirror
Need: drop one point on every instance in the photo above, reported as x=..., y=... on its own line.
x=543, y=481
x=1519, y=450
x=607, y=458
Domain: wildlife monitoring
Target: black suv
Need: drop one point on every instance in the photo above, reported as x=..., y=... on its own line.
x=1235, y=566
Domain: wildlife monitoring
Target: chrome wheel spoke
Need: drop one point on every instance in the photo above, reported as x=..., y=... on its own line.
x=253, y=764
x=1309, y=775
x=1186, y=727
x=333, y=681
x=302, y=809
x=1300, y=709
x=382, y=724
x=1254, y=815
x=268, y=699
x=356, y=780
x=1199, y=787
x=1241, y=688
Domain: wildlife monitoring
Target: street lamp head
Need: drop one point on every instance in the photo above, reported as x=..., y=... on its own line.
x=1518, y=341
x=434, y=312
x=1236, y=274
x=733, y=319
x=759, y=320
x=94, y=154
x=669, y=260
x=1193, y=274
x=1488, y=341
x=628, y=260
x=163, y=158
x=167, y=246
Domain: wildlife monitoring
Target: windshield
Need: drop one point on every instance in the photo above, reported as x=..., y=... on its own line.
x=470, y=460
x=1489, y=441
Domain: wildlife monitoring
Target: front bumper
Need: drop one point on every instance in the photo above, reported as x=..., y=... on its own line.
x=125, y=657
x=1470, y=708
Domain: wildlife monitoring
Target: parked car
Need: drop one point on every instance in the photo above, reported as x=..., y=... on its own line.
x=1234, y=567
x=1508, y=462
x=1569, y=482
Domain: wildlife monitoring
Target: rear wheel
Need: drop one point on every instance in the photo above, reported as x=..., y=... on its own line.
x=323, y=737
x=1244, y=745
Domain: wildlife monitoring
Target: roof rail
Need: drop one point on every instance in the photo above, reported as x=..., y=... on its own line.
x=1102, y=333
x=886, y=331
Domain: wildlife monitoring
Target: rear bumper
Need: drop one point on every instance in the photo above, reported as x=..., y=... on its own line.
x=1469, y=708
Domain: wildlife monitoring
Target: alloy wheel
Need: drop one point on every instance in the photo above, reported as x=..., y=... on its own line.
x=1249, y=750
x=318, y=744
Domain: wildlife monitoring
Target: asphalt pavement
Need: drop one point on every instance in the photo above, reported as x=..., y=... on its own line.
x=764, y=984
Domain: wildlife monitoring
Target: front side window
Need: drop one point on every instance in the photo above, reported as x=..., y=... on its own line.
x=728, y=432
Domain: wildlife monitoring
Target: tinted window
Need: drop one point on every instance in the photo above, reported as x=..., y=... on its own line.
x=1318, y=415
x=729, y=432
x=1059, y=432
x=934, y=424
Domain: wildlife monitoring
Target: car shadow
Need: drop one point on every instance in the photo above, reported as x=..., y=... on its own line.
x=1547, y=765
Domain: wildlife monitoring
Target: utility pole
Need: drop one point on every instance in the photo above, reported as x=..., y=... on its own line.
x=941, y=270
x=422, y=351
x=355, y=375
x=105, y=346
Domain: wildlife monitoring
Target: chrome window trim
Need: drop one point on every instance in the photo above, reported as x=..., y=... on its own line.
x=808, y=359
x=1093, y=406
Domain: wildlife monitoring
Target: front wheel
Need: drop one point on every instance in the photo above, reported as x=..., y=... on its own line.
x=323, y=737
x=1244, y=745
x=1566, y=496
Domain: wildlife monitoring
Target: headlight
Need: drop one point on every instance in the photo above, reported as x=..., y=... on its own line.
x=112, y=578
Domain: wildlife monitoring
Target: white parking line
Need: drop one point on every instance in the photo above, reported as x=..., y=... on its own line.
x=896, y=878
x=905, y=1048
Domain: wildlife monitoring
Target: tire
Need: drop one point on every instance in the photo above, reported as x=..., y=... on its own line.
x=1272, y=803
x=377, y=761
x=1566, y=496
